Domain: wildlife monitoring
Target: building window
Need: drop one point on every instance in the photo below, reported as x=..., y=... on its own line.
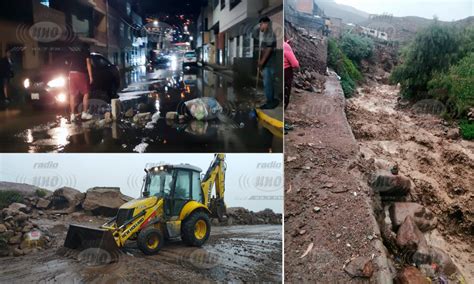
x=222, y=4
x=234, y=3
x=215, y=3
x=44, y=2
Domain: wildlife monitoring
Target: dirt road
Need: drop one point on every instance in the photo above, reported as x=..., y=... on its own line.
x=328, y=217
x=440, y=165
x=233, y=253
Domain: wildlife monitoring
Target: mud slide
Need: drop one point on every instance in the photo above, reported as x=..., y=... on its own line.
x=428, y=151
x=330, y=232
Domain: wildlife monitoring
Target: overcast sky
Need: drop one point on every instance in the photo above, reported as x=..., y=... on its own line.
x=446, y=10
x=83, y=171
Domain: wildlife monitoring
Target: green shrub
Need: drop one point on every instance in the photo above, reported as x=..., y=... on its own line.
x=356, y=47
x=467, y=129
x=344, y=67
x=41, y=192
x=433, y=50
x=8, y=197
x=455, y=88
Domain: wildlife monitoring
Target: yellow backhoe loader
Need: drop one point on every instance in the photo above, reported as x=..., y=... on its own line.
x=175, y=202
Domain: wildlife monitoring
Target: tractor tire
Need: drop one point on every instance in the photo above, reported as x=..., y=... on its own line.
x=150, y=240
x=196, y=229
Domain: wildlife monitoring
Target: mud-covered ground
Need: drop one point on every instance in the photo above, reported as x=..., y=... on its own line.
x=328, y=217
x=428, y=151
x=233, y=253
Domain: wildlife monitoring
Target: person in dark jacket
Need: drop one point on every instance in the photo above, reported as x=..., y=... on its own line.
x=267, y=61
x=80, y=81
x=6, y=73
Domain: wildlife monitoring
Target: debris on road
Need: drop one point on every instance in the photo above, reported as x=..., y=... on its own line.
x=205, y=108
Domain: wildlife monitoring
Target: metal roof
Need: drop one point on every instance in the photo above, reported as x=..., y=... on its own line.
x=181, y=166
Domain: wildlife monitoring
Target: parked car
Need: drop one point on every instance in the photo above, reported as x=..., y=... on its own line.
x=189, y=58
x=160, y=62
x=50, y=86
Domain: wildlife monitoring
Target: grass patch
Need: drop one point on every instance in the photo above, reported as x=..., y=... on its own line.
x=467, y=129
x=8, y=197
x=41, y=192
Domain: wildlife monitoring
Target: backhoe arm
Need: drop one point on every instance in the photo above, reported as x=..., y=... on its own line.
x=215, y=178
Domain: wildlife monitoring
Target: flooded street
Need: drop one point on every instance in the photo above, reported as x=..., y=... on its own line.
x=24, y=129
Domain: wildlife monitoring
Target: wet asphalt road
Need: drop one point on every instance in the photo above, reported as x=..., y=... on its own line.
x=24, y=129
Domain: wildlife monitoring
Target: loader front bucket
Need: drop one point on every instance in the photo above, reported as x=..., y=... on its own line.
x=81, y=237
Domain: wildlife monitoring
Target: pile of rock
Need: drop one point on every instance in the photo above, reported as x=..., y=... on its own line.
x=242, y=216
x=403, y=224
x=19, y=235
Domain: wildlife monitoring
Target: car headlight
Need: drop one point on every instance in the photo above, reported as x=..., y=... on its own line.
x=26, y=83
x=57, y=82
x=61, y=97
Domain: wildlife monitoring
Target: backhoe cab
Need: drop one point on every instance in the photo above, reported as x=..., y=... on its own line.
x=175, y=202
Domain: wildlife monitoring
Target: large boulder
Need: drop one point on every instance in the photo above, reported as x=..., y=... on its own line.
x=17, y=207
x=390, y=186
x=104, y=200
x=67, y=199
x=42, y=203
x=424, y=218
x=409, y=237
x=411, y=275
x=436, y=257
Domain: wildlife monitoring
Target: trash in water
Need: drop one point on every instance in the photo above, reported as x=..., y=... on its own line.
x=204, y=108
x=140, y=148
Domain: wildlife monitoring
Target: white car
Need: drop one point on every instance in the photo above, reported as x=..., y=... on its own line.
x=190, y=58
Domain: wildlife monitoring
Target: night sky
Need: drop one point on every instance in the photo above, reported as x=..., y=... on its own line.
x=171, y=7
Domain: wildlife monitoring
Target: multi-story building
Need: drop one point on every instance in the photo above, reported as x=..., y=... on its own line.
x=227, y=27
x=40, y=30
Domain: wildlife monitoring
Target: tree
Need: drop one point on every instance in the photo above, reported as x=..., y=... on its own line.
x=455, y=88
x=343, y=66
x=356, y=47
x=433, y=50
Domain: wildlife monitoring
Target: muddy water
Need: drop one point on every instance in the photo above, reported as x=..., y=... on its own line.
x=441, y=169
x=161, y=90
x=235, y=253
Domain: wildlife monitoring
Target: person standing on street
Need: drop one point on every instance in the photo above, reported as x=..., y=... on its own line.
x=80, y=81
x=267, y=60
x=6, y=73
x=289, y=63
